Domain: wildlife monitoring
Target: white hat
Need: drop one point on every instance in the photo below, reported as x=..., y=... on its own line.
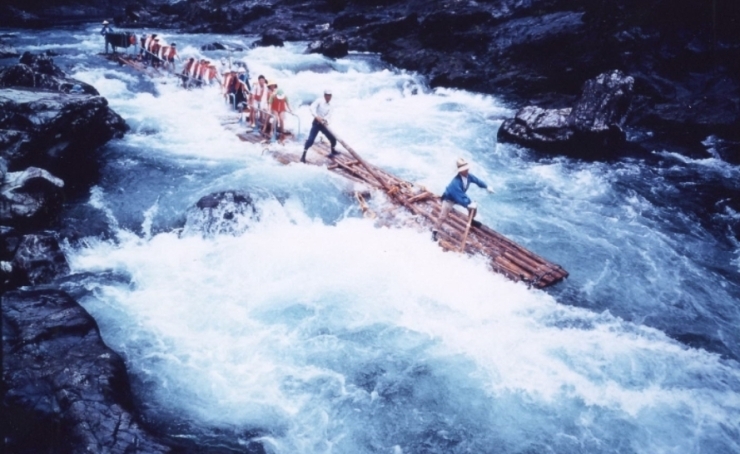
x=241, y=70
x=462, y=165
x=327, y=92
x=105, y=22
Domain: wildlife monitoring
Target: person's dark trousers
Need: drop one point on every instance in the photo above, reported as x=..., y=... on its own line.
x=317, y=127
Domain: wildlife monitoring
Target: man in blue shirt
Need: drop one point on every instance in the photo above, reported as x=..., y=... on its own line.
x=455, y=194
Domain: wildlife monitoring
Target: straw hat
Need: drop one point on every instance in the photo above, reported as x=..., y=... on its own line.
x=462, y=165
x=270, y=83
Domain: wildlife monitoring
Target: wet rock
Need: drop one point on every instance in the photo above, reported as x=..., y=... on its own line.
x=29, y=197
x=334, y=46
x=270, y=38
x=39, y=71
x=227, y=212
x=220, y=46
x=7, y=51
x=535, y=126
x=603, y=103
x=9, y=240
x=39, y=260
x=10, y=16
x=596, y=119
x=65, y=390
x=57, y=132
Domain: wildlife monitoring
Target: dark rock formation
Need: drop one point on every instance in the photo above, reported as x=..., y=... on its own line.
x=38, y=260
x=29, y=196
x=58, y=132
x=227, y=212
x=334, y=46
x=220, y=46
x=7, y=51
x=65, y=391
x=48, y=141
x=595, y=120
x=271, y=38
x=39, y=71
x=11, y=16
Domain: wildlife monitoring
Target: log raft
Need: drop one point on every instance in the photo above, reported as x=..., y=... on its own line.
x=506, y=257
x=132, y=61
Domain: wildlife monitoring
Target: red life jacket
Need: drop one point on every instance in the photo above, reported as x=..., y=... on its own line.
x=279, y=105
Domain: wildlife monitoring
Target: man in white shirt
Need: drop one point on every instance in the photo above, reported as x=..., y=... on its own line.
x=321, y=111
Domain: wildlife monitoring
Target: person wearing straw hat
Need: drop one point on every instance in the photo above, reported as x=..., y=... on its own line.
x=455, y=194
x=104, y=31
x=278, y=106
x=321, y=111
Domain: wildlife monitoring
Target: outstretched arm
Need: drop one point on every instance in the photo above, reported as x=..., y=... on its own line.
x=480, y=183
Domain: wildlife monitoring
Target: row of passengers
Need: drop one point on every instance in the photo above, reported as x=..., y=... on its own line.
x=262, y=100
x=200, y=72
x=156, y=51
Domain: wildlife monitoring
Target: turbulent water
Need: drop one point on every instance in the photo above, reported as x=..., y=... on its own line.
x=314, y=331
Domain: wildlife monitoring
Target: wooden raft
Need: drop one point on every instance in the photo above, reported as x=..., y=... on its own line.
x=506, y=257
x=134, y=62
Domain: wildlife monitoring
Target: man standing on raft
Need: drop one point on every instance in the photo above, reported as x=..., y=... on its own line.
x=455, y=194
x=321, y=111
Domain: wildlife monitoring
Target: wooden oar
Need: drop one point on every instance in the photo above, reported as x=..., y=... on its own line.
x=360, y=160
x=467, y=230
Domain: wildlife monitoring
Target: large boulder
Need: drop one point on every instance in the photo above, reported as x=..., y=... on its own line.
x=65, y=390
x=596, y=119
x=226, y=212
x=39, y=71
x=57, y=132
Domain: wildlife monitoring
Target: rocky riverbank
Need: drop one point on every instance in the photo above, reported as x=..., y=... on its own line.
x=63, y=389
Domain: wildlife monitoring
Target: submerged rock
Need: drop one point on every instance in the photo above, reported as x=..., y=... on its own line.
x=334, y=46
x=221, y=46
x=7, y=51
x=596, y=119
x=65, y=390
x=227, y=212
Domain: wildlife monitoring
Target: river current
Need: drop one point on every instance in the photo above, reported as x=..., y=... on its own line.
x=314, y=331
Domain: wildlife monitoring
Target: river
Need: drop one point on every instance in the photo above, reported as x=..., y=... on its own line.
x=315, y=331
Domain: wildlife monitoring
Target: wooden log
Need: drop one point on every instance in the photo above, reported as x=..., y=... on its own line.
x=467, y=230
x=419, y=197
